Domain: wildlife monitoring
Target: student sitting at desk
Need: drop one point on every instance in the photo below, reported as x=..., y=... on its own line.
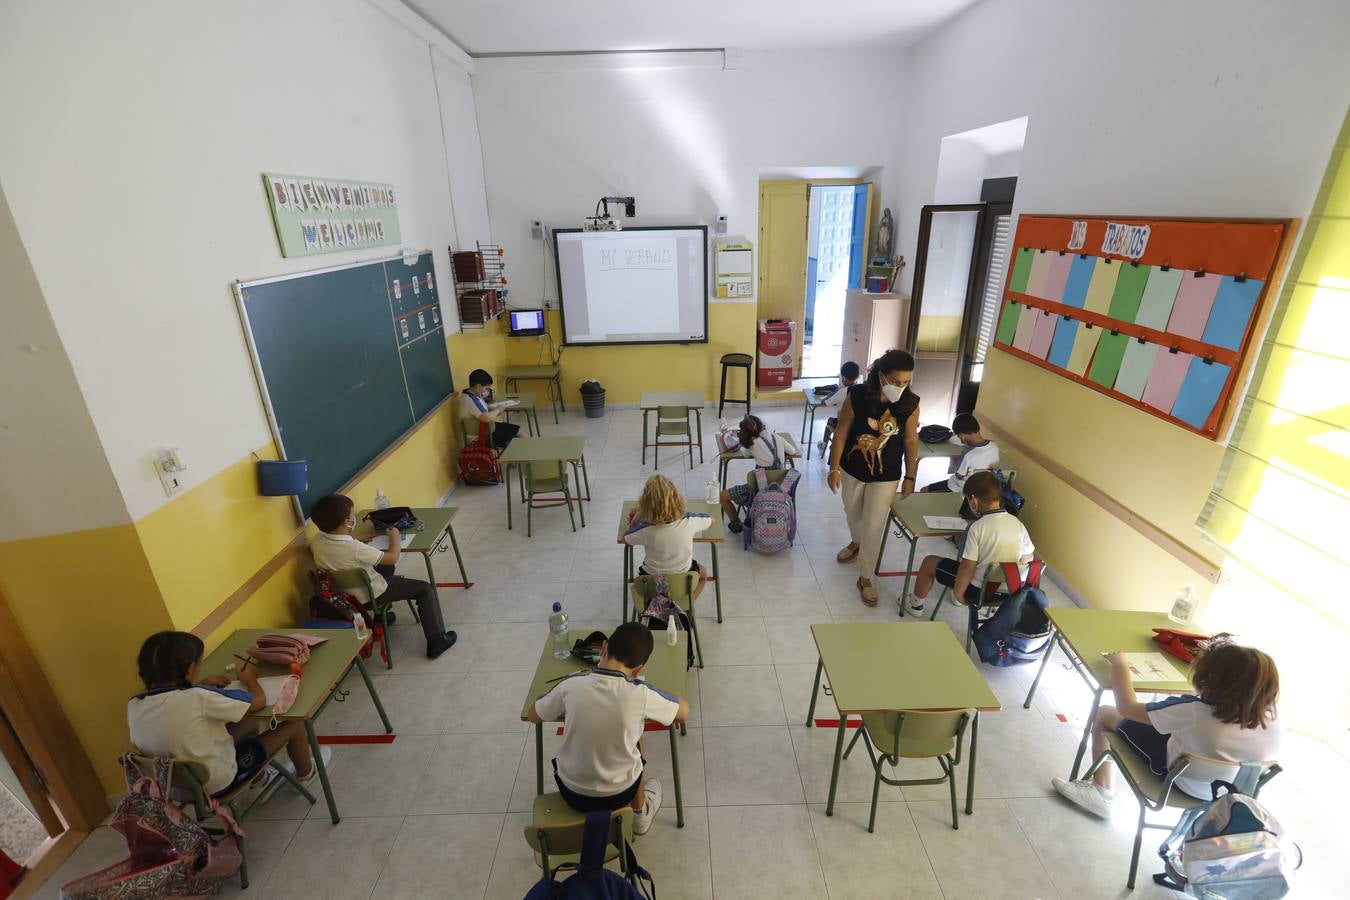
x=336, y=550
x=848, y=376
x=183, y=718
x=996, y=536
x=665, y=530
x=768, y=452
x=981, y=453
x=600, y=764
x=473, y=404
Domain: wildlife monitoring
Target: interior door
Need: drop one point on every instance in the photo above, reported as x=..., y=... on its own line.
x=992, y=254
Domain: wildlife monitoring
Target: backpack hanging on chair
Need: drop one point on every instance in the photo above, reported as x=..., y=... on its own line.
x=1019, y=631
x=658, y=612
x=477, y=462
x=591, y=880
x=771, y=524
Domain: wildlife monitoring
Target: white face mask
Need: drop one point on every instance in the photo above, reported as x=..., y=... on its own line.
x=893, y=392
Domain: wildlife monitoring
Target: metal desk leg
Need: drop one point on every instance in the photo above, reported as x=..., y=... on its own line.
x=374, y=696
x=644, y=437
x=815, y=691
x=534, y=420
x=970, y=772
x=623, y=583
x=323, y=770
x=838, y=755
x=538, y=759
x=885, y=536
x=459, y=559
x=586, y=476
x=909, y=567
x=1049, y=651
x=557, y=384
x=717, y=583
x=1087, y=732
x=426, y=558
x=581, y=506
x=698, y=419
x=506, y=477
x=675, y=773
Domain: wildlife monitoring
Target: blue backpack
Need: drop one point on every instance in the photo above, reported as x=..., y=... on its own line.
x=1019, y=631
x=592, y=881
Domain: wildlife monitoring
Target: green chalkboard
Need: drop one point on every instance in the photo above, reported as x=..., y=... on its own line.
x=348, y=359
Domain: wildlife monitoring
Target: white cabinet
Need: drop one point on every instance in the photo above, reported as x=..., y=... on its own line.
x=873, y=324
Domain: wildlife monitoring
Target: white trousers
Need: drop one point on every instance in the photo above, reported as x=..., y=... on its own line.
x=866, y=504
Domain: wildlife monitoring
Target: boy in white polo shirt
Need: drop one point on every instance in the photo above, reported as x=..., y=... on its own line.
x=600, y=764
x=997, y=536
x=980, y=454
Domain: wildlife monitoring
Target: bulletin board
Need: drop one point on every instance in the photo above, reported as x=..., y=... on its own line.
x=325, y=215
x=1162, y=314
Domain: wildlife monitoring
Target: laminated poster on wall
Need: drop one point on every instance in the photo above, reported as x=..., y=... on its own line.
x=1135, y=369
x=1061, y=348
x=1084, y=345
x=1160, y=294
x=1233, y=305
x=1102, y=286
x=1045, y=333
x=1164, y=382
x=353, y=217
x=1190, y=311
x=1128, y=292
x=1040, y=274
x=1200, y=390
x=1080, y=277
x=1058, y=275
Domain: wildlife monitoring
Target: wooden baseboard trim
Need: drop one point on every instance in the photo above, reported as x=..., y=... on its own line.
x=45, y=861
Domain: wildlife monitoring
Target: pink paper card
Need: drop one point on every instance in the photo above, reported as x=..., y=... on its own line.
x=1044, y=335
x=1190, y=311
x=1040, y=271
x=1164, y=382
x=1057, y=276
x=1026, y=328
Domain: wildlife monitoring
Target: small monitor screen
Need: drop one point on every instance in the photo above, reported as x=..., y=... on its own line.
x=527, y=321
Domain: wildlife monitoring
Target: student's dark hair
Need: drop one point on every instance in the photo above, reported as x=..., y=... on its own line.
x=983, y=486
x=479, y=377
x=849, y=371
x=1240, y=683
x=751, y=427
x=965, y=423
x=328, y=513
x=631, y=644
x=885, y=364
x=166, y=656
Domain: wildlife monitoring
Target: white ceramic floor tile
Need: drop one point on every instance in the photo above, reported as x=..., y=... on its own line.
x=441, y=857
x=740, y=695
x=889, y=862
x=415, y=704
x=487, y=702
x=764, y=851
x=679, y=859
x=738, y=641
x=468, y=773
x=989, y=845
x=745, y=765
x=317, y=864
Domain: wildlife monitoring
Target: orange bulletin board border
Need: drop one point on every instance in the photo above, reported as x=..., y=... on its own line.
x=1244, y=248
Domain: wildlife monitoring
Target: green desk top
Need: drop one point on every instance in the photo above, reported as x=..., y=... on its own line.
x=665, y=669
x=911, y=510
x=715, y=534
x=945, y=448
x=890, y=666
x=523, y=401
x=436, y=518
x=328, y=662
x=531, y=372
x=1092, y=632
x=567, y=447
x=653, y=399
x=789, y=443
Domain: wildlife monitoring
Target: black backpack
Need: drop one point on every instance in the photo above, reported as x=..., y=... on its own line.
x=1019, y=631
x=1009, y=499
x=934, y=434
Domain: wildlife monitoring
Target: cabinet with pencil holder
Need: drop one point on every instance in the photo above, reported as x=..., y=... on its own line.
x=480, y=284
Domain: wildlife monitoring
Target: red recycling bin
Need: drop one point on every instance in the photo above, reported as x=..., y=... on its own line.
x=777, y=342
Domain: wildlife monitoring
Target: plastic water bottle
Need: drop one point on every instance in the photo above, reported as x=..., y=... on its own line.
x=557, y=627
x=672, y=633
x=381, y=501
x=359, y=623
x=712, y=492
x=1183, y=606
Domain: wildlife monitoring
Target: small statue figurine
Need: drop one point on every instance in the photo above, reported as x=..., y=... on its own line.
x=885, y=238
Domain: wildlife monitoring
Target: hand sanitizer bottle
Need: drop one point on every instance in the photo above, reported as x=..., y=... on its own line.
x=381, y=501
x=1183, y=606
x=672, y=633
x=712, y=492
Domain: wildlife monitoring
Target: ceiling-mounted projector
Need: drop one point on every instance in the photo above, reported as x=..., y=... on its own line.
x=603, y=221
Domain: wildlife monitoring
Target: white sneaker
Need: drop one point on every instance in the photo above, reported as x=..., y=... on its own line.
x=915, y=605
x=325, y=752
x=643, y=818
x=1086, y=795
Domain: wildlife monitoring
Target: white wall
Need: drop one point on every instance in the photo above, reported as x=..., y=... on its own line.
x=689, y=143
x=1218, y=108
x=132, y=165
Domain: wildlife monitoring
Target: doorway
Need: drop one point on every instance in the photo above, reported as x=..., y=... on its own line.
x=835, y=228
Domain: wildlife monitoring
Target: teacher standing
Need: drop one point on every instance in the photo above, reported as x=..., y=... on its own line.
x=879, y=425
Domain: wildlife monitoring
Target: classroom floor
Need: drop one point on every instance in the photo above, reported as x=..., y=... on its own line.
x=439, y=812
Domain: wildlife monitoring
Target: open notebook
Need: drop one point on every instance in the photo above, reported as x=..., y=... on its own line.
x=271, y=685
x=381, y=541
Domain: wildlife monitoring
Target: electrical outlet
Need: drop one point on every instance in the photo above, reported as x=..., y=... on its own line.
x=169, y=467
x=537, y=230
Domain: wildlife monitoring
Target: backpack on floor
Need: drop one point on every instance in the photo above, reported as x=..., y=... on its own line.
x=658, y=612
x=477, y=462
x=169, y=853
x=1232, y=847
x=1019, y=631
x=771, y=525
x=591, y=880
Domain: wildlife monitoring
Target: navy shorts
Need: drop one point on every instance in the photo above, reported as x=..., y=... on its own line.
x=1148, y=742
x=946, y=576
x=585, y=803
x=250, y=756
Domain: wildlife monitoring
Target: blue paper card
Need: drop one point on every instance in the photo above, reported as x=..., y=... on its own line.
x=1199, y=392
x=1232, y=310
x=1062, y=344
x=1080, y=276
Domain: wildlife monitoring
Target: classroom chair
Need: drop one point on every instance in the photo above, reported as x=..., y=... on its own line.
x=359, y=579
x=681, y=592
x=1155, y=793
x=556, y=832
x=673, y=421
x=735, y=361
x=990, y=598
x=913, y=734
x=189, y=786
x=546, y=478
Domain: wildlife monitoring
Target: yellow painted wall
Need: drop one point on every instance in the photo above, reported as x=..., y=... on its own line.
x=471, y=350
x=1160, y=472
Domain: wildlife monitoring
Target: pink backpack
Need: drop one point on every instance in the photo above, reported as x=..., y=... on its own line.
x=773, y=515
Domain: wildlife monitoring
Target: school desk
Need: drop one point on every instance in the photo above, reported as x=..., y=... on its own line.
x=650, y=401
x=665, y=670
x=563, y=448
x=941, y=448
x=468, y=427
x=813, y=403
x=329, y=665
x=439, y=521
x=550, y=374
x=712, y=536
x=1085, y=634
x=791, y=453
x=907, y=516
x=879, y=667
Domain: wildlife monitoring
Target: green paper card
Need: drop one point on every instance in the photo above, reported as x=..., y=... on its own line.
x=1129, y=291
x=1106, y=361
x=1021, y=270
x=1007, y=323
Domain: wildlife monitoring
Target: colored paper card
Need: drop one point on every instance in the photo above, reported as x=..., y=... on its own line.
x=1106, y=361
x=1080, y=276
x=1045, y=333
x=1058, y=275
x=1129, y=291
x=1165, y=380
x=1026, y=328
x=1135, y=368
x=1232, y=310
x=1195, y=297
x=1084, y=343
x=1061, y=348
x=1021, y=270
x=1155, y=307
x=1199, y=392
x=1040, y=270
x=1007, y=323
x=1102, y=285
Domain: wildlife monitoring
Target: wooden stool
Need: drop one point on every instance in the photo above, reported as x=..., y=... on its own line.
x=729, y=361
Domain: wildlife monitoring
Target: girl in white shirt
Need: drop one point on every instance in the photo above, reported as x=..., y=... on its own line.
x=665, y=529
x=768, y=452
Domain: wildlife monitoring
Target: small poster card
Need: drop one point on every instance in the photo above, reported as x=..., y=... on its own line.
x=417, y=285
x=435, y=315
x=421, y=321
x=945, y=523
x=361, y=230
x=307, y=192
x=1154, y=667
x=372, y=229
x=346, y=196
x=379, y=227
x=279, y=195
x=339, y=232
x=311, y=232
x=293, y=191
x=334, y=195
x=403, y=326
x=429, y=287
x=398, y=291
x=350, y=225
x=390, y=194
x=325, y=233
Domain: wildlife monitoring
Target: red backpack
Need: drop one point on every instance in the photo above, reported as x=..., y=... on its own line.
x=327, y=602
x=477, y=462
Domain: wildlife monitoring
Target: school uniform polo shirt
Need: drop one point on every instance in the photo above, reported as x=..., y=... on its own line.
x=996, y=537
x=340, y=552
x=974, y=459
x=1191, y=727
x=605, y=713
x=189, y=723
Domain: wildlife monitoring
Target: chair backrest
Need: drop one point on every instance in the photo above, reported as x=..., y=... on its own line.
x=678, y=413
x=189, y=779
x=347, y=580
x=468, y=430
x=544, y=469
x=681, y=589
x=1247, y=776
x=565, y=838
x=940, y=727
x=773, y=476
